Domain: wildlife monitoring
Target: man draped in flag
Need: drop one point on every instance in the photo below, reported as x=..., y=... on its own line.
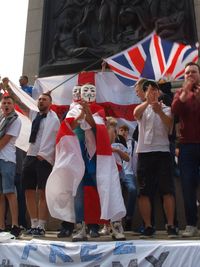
x=99, y=193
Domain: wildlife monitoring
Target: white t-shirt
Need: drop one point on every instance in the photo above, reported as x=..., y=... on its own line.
x=117, y=156
x=130, y=166
x=8, y=152
x=35, y=147
x=153, y=133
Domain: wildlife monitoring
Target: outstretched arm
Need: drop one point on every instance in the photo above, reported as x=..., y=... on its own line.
x=22, y=106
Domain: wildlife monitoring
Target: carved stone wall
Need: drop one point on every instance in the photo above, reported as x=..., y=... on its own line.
x=39, y=58
x=77, y=34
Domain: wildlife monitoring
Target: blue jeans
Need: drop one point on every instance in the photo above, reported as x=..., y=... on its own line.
x=7, y=177
x=79, y=203
x=129, y=182
x=189, y=162
x=21, y=200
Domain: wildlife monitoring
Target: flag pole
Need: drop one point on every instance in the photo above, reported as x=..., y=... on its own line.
x=68, y=79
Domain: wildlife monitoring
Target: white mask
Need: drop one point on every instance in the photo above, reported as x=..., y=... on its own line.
x=88, y=93
x=76, y=93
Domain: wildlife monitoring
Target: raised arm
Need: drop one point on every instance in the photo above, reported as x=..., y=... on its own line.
x=88, y=114
x=150, y=98
x=18, y=101
x=166, y=119
x=139, y=110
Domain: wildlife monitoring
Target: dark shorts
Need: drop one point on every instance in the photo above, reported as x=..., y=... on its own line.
x=155, y=171
x=35, y=173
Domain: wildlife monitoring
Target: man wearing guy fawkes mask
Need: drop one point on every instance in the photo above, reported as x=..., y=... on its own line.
x=88, y=93
x=92, y=200
x=76, y=93
x=88, y=166
x=81, y=121
x=68, y=227
x=85, y=213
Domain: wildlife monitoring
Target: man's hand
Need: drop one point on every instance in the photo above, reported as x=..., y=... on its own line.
x=157, y=107
x=81, y=116
x=151, y=95
x=187, y=89
x=197, y=92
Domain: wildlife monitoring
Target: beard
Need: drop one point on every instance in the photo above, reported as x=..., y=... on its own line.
x=43, y=109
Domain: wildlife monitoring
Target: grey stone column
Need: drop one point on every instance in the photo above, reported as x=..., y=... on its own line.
x=32, y=40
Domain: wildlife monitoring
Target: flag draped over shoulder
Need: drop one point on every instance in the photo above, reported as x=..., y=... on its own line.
x=107, y=175
x=152, y=58
x=69, y=168
x=66, y=175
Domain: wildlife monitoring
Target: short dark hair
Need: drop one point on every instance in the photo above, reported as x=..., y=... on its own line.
x=48, y=94
x=140, y=82
x=192, y=64
x=147, y=83
x=24, y=77
x=8, y=97
x=124, y=127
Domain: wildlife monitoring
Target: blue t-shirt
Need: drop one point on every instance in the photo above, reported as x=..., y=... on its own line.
x=28, y=89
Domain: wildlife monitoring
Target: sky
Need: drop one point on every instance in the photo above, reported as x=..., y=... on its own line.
x=12, y=30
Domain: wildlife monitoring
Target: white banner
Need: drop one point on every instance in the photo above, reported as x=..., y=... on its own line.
x=157, y=253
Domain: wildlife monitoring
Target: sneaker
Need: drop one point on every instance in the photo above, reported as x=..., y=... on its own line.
x=190, y=231
x=80, y=235
x=105, y=230
x=94, y=233
x=117, y=231
x=148, y=232
x=171, y=231
x=77, y=228
x=15, y=230
x=93, y=230
x=64, y=233
x=38, y=232
x=30, y=231
x=66, y=230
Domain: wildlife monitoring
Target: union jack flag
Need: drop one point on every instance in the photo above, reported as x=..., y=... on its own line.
x=152, y=58
x=129, y=64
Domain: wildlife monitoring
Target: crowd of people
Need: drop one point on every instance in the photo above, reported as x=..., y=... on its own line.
x=108, y=171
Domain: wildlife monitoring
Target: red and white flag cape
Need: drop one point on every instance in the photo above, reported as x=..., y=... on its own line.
x=66, y=175
x=69, y=170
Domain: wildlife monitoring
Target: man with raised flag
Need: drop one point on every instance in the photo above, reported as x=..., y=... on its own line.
x=39, y=160
x=84, y=157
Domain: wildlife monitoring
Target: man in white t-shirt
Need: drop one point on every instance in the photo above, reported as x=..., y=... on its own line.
x=10, y=126
x=39, y=160
x=154, y=167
